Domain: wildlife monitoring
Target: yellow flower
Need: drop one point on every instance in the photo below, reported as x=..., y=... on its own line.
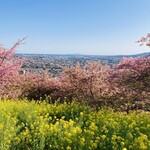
x=57, y=123
x=81, y=113
x=82, y=140
x=103, y=136
x=94, y=145
x=137, y=129
x=74, y=130
x=76, y=119
x=50, y=118
x=41, y=117
x=122, y=143
x=69, y=141
x=17, y=139
x=1, y=126
x=92, y=133
x=8, y=141
x=9, y=135
x=91, y=142
x=69, y=134
x=63, y=117
x=68, y=148
x=32, y=127
x=129, y=136
x=97, y=138
x=79, y=130
x=29, y=116
x=71, y=122
x=65, y=125
x=46, y=126
x=12, y=128
x=50, y=145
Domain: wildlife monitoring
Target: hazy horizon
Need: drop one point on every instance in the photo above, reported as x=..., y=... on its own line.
x=97, y=27
x=80, y=54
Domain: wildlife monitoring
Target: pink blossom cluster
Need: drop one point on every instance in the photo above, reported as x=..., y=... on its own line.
x=86, y=82
x=145, y=40
x=130, y=80
x=9, y=66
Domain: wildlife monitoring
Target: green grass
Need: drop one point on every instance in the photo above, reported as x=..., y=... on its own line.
x=28, y=125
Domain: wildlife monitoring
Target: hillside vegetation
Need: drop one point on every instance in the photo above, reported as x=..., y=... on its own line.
x=86, y=107
x=123, y=87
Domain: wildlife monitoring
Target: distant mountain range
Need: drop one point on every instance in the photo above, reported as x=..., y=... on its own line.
x=76, y=54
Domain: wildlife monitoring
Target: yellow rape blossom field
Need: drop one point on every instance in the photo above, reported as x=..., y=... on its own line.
x=34, y=125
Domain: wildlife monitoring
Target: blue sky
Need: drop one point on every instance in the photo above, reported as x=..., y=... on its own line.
x=105, y=27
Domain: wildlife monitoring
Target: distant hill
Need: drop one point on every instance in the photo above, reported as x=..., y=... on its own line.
x=76, y=54
x=142, y=54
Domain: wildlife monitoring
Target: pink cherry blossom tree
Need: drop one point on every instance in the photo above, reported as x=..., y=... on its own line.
x=85, y=82
x=130, y=80
x=145, y=40
x=9, y=66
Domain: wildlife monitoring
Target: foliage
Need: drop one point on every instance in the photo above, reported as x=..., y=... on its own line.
x=30, y=125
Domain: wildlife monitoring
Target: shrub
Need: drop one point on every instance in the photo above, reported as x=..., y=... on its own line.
x=39, y=86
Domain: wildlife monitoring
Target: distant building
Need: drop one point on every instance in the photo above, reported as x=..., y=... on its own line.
x=23, y=72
